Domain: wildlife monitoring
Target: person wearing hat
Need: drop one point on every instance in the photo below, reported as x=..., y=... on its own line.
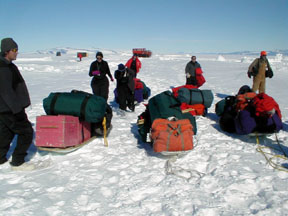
x=14, y=98
x=98, y=70
x=190, y=71
x=260, y=69
x=125, y=88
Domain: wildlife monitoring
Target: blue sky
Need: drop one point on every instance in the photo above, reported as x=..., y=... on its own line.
x=163, y=26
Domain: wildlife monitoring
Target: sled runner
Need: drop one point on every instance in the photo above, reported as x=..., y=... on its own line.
x=67, y=149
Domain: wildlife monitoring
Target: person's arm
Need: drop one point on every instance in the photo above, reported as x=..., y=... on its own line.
x=108, y=72
x=6, y=91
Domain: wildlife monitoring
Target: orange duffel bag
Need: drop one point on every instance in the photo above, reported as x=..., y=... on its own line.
x=172, y=136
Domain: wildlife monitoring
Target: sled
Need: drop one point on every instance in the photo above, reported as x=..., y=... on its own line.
x=259, y=134
x=67, y=149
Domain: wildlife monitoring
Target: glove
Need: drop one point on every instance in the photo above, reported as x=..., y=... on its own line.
x=112, y=80
x=249, y=74
x=96, y=73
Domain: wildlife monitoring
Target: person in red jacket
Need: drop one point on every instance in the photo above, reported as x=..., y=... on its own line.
x=134, y=64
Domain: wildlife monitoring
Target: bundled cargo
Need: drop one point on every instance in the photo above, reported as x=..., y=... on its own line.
x=87, y=107
x=61, y=131
x=172, y=136
x=248, y=112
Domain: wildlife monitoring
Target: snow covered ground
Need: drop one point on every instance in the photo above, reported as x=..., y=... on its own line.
x=222, y=175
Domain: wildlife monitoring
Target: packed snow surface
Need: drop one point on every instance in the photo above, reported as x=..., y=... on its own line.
x=223, y=175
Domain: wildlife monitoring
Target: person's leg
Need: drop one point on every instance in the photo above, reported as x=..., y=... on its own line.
x=6, y=137
x=122, y=97
x=256, y=84
x=23, y=128
x=262, y=86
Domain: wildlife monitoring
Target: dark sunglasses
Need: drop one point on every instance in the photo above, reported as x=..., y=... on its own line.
x=14, y=50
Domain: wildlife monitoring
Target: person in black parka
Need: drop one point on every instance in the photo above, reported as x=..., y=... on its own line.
x=190, y=71
x=125, y=87
x=100, y=83
x=14, y=98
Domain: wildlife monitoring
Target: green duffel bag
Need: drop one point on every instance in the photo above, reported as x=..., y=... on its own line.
x=87, y=107
x=224, y=105
x=195, y=96
x=165, y=105
x=220, y=107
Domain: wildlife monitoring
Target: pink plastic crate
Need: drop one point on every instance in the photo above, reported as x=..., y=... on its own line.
x=61, y=131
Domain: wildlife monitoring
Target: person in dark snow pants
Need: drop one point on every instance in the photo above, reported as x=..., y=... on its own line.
x=14, y=98
x=98, y=70
x=125, y=87
x=190, y=71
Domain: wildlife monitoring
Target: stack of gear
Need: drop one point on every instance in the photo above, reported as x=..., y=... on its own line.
x=171, y=129
x=75, y=115
x=248, y=112
x=193, y=100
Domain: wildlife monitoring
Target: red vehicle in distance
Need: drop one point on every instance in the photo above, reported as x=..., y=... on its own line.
x=142, y=52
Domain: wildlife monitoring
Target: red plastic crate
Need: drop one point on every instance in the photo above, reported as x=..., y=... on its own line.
x=61, y=131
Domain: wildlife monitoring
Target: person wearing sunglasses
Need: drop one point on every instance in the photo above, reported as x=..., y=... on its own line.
x=190, y=71
x=98, y=70
x=14, y=98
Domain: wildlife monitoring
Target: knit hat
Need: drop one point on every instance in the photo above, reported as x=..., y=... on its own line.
x=99, y=54
x=8, y=44
x=263, y=53
x=121, y=67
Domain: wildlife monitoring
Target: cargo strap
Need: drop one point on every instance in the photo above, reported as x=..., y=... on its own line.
x=83, y=107
x=270, y=161
x=105, y=132
x=178, y=132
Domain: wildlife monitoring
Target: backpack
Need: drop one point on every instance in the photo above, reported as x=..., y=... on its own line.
x=265, y=105
x=199, y=77
x=243, y=100
x=172, y=136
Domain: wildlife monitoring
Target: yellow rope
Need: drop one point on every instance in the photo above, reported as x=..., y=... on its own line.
x=105, y=132
x=270, y=160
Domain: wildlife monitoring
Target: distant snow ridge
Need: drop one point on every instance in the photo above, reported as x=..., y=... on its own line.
x=279, y=57
x=245, y=60
x=221, y=58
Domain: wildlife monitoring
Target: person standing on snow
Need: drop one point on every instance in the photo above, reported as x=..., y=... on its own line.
x=14, y=98
x=134, y=64
x=100, y=83
x=260, y=69
x=125, y=88
x=190, y=71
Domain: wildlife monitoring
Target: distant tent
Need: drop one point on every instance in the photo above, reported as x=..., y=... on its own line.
x=58, y=54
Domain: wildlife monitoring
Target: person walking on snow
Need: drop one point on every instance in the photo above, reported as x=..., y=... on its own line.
x=14, y=98
x=190, y=71
x=134, y=64
x=98, y=70
x=125, y=88
x=260, y=69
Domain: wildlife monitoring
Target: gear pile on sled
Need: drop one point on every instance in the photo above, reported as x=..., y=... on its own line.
x=73, y=118
x=169, y=119
x=248, y=112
